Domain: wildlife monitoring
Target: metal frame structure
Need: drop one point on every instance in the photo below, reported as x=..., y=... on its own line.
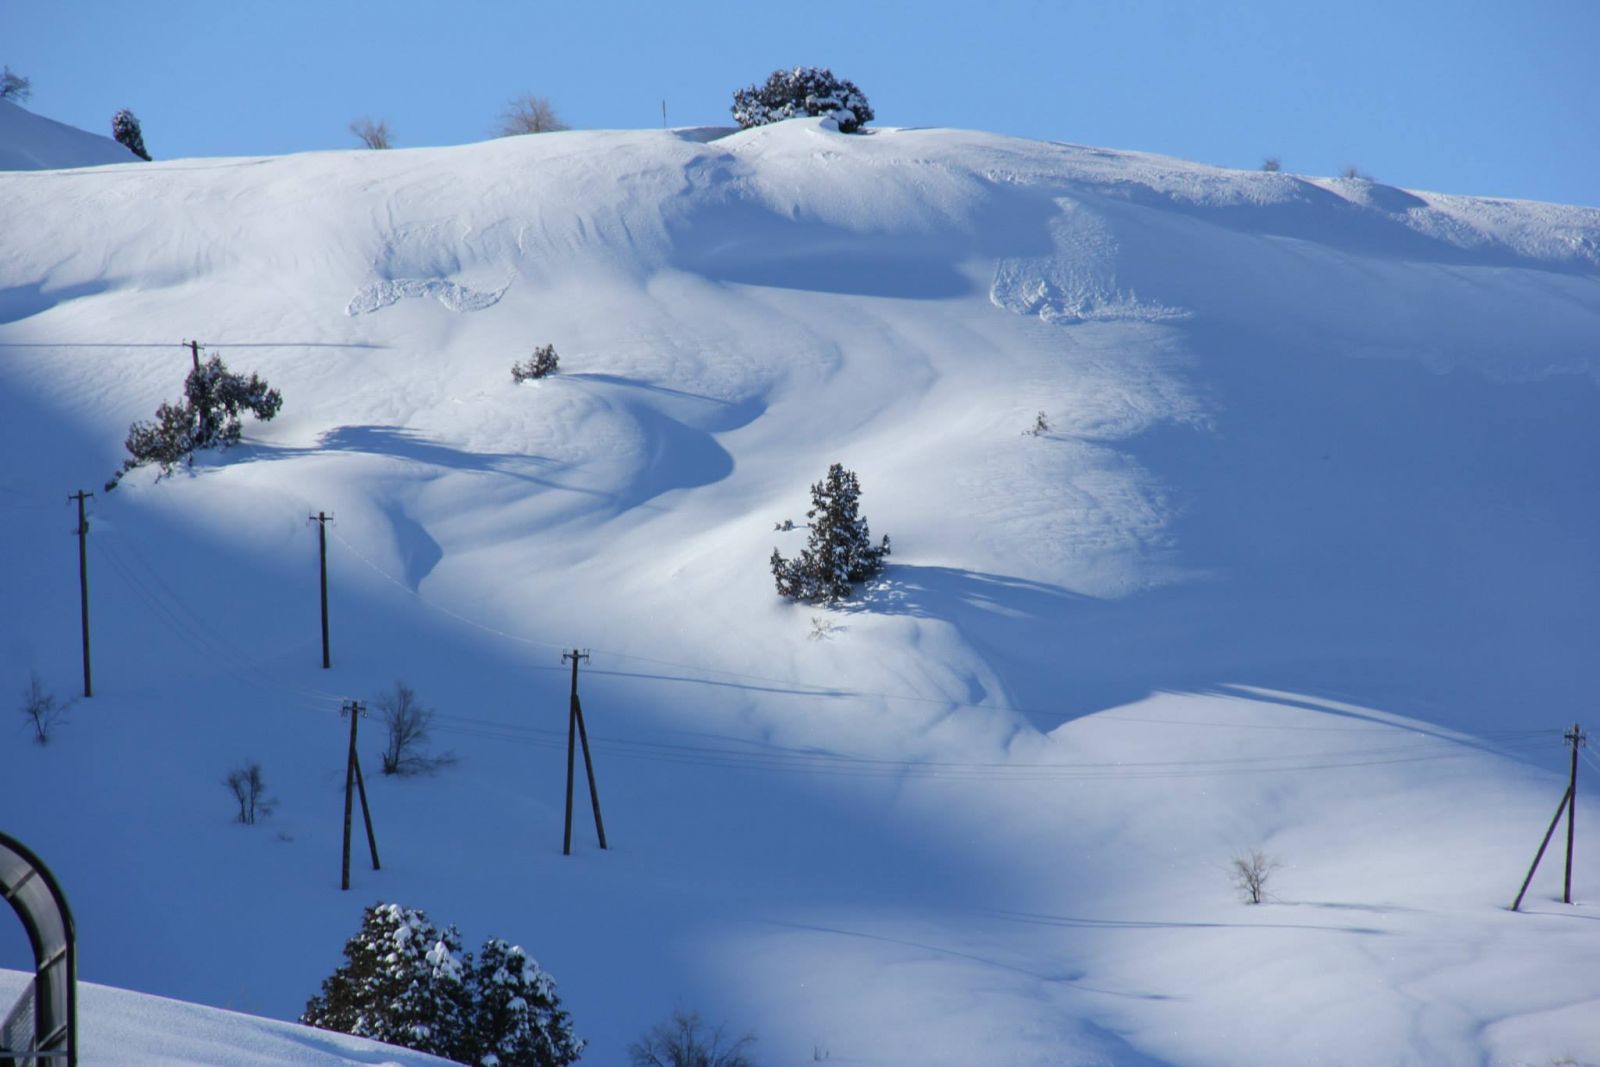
x=41, y=1029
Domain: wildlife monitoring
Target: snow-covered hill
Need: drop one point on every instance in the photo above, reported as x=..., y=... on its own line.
x=1305, y=561
x=33, y=142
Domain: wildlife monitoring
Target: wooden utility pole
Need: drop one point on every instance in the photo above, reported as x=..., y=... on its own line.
x=353, y=781
x=1569, y=808
x=577, y=731
x=1548, y=834
x=83, y=585
x=194, y=351
x=1575, y=739
x=321, y=520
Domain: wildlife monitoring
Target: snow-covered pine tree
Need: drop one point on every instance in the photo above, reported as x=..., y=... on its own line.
x=517, y=1018
x=403, y=982
x=802, y=91
x=543, y=363
x=125, y=128
x=839, y=551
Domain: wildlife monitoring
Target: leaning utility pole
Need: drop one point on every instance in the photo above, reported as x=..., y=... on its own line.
x=1568, y=807
x=321, y=520
x=353, y=781
x=83, y=584
x=575, y=723
x=1575, y=739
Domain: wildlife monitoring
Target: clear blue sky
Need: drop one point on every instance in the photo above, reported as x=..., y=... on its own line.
x=1485, y=97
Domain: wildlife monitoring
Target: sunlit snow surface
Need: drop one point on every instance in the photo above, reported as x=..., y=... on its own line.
x=1305, y=561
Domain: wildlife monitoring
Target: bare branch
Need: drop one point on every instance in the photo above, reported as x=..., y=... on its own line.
x=372, y=134
x=529, y=114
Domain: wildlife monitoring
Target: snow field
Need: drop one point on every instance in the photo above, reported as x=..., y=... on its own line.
x=1304, y=562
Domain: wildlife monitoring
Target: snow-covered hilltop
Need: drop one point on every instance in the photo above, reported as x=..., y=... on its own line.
x=1303, y=560
x=33, y=142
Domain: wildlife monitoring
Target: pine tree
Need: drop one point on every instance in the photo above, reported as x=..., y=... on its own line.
x=214, y=398
x=839, y=551
x=125, y=128
x=403, y=982
x=802, y=91
x=517, y=1017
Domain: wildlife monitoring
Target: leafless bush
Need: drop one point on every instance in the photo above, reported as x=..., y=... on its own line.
x=682, y=1043
x=372, y=134
x=1251, y=873
x=408, y=721
x=41, y=708
x=543, y=363
x=250, y=791
x=14, y=87
x=529, y=114
x=1272, y=164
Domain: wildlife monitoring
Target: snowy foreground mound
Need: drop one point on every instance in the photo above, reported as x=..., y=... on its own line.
x=123, y=1029
x=1305, y=560
x=33, y=142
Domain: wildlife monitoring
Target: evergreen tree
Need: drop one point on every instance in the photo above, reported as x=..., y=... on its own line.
x=839, y=551
x=406, y=983
x=403, y=982
x=517, y=1017
x=802, y=91
x=214, y=398
x=125, y=128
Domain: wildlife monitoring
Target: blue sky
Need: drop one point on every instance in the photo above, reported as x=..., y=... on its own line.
x=1468, y=96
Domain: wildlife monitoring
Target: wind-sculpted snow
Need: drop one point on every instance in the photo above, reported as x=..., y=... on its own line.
x=378, y=295
x=1299, y=557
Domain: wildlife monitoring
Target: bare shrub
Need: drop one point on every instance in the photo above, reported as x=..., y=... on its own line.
x=250, y=791
x=41, y=708
x=543, y=363
x=529, y=114
x=14, y=87
x=1251, y=872
x=683, y=1043
x=1272, y=164
x=408, y=721
x=372, y=134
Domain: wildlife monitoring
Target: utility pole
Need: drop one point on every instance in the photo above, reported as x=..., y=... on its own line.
x=1575, y=739
x=353, y=781
x=1568, y=807
x=663, y=113
x=83, y=584
x=321, y=520
x=575, y=726
x=194, y=351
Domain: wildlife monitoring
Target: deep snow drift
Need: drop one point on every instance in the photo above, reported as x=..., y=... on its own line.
x=1305, y=561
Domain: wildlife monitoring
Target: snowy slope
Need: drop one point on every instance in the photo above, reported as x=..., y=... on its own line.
x=123, y=1029
x=33, y=142
x=1305, y=561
